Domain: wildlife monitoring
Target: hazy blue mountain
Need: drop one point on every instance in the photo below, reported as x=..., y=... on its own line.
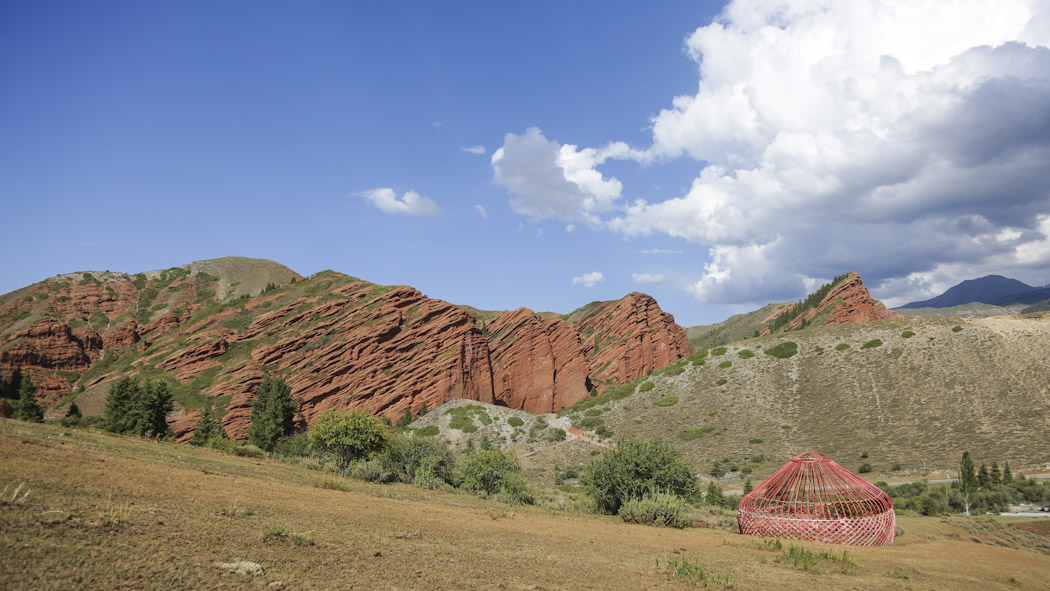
x=992, y=289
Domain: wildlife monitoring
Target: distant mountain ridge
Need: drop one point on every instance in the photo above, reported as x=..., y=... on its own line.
x=990, y=289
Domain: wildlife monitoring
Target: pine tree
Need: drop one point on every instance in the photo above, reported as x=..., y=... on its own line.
x=994, y=475
x=273, y=414
x=423, y=409
x=206, y=428
x=117, y=416
x=967, y=480
x=1008, y=476
x=74, y=411
x=26, y=407
x=714, y=496
x=133, y=409
x=984, y=479
x=9, y=388
x=747, y=486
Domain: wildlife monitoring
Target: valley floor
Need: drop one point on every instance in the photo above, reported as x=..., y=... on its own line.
x=104, y=512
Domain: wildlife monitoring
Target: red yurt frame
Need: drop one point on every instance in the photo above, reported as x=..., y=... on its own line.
x=813, y=498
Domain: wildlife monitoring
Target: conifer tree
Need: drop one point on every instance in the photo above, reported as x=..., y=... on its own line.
x=984, y=480
x=25, y=406
x=1008, y=476
x=967, y=480
x=994, y=475
x=74, y=411
x=748, y=487
x=273, y=414
x=714, y=496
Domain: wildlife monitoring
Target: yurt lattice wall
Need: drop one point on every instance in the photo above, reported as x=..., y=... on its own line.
x=813, y=498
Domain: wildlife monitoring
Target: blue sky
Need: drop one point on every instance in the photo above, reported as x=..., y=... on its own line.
x=715, y=164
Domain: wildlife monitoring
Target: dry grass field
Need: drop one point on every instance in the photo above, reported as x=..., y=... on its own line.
x=94, y=511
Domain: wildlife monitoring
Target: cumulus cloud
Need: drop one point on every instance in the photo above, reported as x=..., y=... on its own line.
x=477, y=150
x=649, y=278
x=907, y=141
x=482, y=211
x=411, y=203
x=550, y=180
x=659, y=251
x=588, y=279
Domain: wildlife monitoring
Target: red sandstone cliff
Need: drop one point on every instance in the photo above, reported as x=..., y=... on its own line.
x=337, y=341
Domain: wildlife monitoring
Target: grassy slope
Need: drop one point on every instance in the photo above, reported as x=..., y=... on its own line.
x=106, y=512
x=919, y=401
x=735, y=328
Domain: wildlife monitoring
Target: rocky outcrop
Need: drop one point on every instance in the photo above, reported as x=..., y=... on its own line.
x=849, y=301
x=339, y=343
x=628, y=338
x=537, y=363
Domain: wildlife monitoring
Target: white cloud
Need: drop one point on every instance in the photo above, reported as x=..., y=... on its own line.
x=649, y=278
x=482, y=211
x=907, y=141
x=550, y=180
x=411, y=203
x=659, y=251
x=570, y=228
x=588, y=279
x=477, y=150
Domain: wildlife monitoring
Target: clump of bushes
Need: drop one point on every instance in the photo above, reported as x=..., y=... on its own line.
x=872, y=344
x=667, y=401
x=783, y=350
x=646, y=387
x=718, y=351
x=655, y=508
x=842, y=346
x=907, y=334
x=745, y=354
x=634, y=468
x=725, y=364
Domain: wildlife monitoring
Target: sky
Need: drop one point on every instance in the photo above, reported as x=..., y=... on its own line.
x=717, y=156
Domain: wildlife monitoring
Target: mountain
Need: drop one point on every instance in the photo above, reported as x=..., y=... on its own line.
x=213, y=329
x=845, y=299
x=991, y=289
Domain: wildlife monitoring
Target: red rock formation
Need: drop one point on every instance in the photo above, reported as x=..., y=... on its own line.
x=849, y=301
x=182, y=426
x=49, y=344
x=628, y=338
x=537, y=363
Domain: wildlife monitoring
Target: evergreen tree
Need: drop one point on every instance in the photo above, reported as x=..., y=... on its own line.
x=1008, y=476
x=994, y=475
x=406, y=418
x=133, y=409
x=748, y=487
x=984, y=480
x=26, y=407
x=206, y=428
x=9, y=388
x=117, y=416
x=967, y=480
x=273, y=414
x=714, y=497
x=423, y=409
x=74, y=411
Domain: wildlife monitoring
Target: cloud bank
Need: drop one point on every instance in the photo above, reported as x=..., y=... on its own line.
x=588, y=279
x=907, y=141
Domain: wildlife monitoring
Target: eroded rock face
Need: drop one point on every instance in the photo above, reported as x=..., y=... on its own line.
x=538, y=364
x=849, y=301
x=343, y=343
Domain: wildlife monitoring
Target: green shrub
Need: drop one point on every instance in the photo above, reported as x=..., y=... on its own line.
x=247, y=451
x=718, y=351
x=647, y=387
x=294, y=446
x=515, y=421
x=632, y=469
x=667, y=401
x=591, y=422
x=745, y=354
x=783, y=350
x=346, y=437
x=206, y=428
x=428, y=431
x=865, y=468
x=556, y=435
x=957, y=328
x=842, y=346
x=655, y=508
x=725, y=364
x=872, y=344
x=221, y=443
x=691, y=434
x=907, y=334
x=721, y=382
x=675, y=369
x=425, y=462
x=493, y=472
x=755, y=440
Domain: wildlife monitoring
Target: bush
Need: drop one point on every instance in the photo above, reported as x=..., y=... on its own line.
x=667, y=401
x=347, y=437
x=872, y=344
x=691, y=434
x=957, y=328
x=295, y=446
x=273, y=413
x=725, y=364
x=646, y=387
x=755, y=440
x=745, y=354
x=428, y=431
x=718, y=351
x=221, y=443
x=515, y=421
x=656, y=508
x=907, y=334
x=865, y=468
x=206, y=428
x=783, y=350
x=426, y=462
x=842, y=346
x=721, y=382
x=493, y=472
x=248, y=451
x=556, y=435
x=634, y=468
